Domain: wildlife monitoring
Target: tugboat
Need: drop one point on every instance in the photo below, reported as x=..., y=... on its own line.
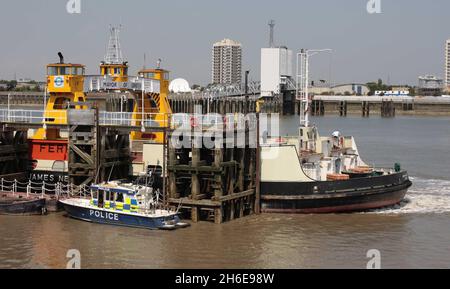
x=123, y=205
x=313, y=174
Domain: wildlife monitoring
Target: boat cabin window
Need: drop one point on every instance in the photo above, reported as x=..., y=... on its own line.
x=59, y=166
x=125, y=71
x=61, y=103
x=64, y=70
x=107, y=195
x=78, y=71
x=117, y=71
x=101, y=200
x=95, y=194
x=148, y=75
x=166, y=76
x=52, y=71
x=119, y=197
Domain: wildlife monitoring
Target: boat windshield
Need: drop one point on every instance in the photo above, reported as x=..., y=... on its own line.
x=65, y=70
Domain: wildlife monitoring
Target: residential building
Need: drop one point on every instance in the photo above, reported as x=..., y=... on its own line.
x=227, y=62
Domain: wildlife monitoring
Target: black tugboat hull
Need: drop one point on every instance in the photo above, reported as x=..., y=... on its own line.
x=336, y=196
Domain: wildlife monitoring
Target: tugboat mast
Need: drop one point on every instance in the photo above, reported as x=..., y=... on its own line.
x=302, y=87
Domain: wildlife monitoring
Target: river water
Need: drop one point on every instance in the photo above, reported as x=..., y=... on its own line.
x=415, y=234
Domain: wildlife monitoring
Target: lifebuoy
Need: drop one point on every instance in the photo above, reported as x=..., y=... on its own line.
x=225, y=122
x=194, y=122
x=280, y=140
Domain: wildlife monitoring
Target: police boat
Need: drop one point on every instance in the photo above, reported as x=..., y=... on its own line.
x=128, y=205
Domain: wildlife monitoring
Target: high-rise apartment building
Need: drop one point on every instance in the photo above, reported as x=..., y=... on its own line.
x=447, y=63
x=227, y=62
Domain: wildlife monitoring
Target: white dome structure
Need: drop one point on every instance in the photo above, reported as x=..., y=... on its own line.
x=179, y=85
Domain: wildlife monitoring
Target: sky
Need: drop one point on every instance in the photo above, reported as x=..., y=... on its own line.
x=403, y=42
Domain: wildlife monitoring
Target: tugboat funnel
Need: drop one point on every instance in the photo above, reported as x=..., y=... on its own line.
x=61, y=58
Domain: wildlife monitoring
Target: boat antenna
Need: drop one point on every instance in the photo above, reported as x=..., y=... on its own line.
x=145, y=61
x=110, y=172
x=98, y=172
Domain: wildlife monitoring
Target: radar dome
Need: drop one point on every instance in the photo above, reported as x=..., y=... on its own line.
x=179, y=85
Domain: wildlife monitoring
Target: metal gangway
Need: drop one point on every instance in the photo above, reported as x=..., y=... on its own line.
x=109, y=119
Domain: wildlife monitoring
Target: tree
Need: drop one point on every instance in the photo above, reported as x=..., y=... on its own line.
x=377, y=86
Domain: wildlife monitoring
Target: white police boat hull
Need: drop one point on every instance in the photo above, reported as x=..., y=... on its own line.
x=159, y=219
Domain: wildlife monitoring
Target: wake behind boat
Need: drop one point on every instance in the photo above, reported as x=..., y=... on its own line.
x=123, y=205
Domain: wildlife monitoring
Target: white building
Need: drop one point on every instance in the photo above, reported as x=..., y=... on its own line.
x=226, y=62
x=276, y=69
x=341, y=89
x=447, y=63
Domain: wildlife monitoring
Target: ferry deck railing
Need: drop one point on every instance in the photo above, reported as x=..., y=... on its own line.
x=59, y=117
x=149, y=121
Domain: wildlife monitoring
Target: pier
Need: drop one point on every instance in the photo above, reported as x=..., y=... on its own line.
x=219, y=183
x=364, y=106
x=384, y=106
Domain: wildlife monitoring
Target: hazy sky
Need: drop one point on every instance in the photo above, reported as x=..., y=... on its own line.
x=405, y=41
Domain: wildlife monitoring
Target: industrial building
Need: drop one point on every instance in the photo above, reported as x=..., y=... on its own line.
x=227, y=62
x=430, y=85
x=342, y=89
x=276, y=70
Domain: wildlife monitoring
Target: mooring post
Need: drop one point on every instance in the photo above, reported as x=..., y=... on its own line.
x=29, y=188
x=258, y=169
x=164, y=174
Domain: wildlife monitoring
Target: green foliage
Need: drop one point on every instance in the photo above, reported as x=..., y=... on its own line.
x=374, y=86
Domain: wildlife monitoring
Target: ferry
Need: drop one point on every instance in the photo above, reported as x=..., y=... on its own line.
x=127, y=205
x=67, y=83
x=48, y=147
